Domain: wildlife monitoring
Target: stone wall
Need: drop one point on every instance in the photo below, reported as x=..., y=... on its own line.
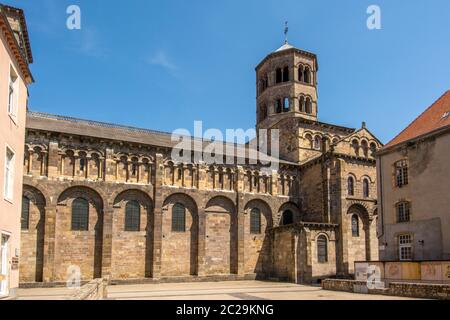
x=400, y=289
x=427, y=194
x=218, y=200
x=295, y=253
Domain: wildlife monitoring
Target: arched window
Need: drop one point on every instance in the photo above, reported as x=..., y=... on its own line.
x=300, y=73
x=82, y=164
x=80, y=215
x=307, y=75
x=178, y=218
x=134, y=169
x=278, y=106
x=25, y=217
x=255, y=221
x=308, y=106
x=317, y=143
x=366, y=192
x=287, y=218
x=132, y=216
x=310, y=140
x=285, y=74
x=302, y=104
x=365, y=148
x=351, y=186
x=322, y=249
x=286, y=105
x=355, y=145
x=278, y=76
x=373, y=148
x=355, y=226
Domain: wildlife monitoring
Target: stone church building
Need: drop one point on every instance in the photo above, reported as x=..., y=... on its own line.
x=110, y=200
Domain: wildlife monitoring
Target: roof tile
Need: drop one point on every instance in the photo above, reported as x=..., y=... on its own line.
x=435, y=117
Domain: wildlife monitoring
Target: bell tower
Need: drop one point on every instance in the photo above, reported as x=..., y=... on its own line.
x=286, y=86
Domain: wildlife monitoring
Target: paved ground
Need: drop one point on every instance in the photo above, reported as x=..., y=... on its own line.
x=234, y=290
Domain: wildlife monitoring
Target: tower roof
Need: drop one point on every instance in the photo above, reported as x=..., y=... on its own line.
x=286, y=46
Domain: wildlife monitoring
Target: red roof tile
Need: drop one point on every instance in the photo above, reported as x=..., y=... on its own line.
x=435, y=117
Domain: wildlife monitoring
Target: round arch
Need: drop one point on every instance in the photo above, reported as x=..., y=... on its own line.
x=287, y=210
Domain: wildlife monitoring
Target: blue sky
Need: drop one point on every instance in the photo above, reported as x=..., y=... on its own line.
x=163, y=64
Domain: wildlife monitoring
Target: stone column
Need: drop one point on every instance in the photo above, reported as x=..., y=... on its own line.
x=49, y=244
x=240, y=234
x=110, y=166
x=53, y=159
x=274, y=183
x=107, y=240
x=201, y=267
x=157, y=234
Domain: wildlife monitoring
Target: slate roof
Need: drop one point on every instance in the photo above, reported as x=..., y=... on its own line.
x=108, y=131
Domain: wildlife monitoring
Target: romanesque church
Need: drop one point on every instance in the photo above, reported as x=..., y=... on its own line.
x=110, y=201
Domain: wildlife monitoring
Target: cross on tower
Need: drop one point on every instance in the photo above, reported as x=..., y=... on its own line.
x=286, y=30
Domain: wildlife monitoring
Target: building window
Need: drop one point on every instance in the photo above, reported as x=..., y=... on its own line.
x=355, y=146
x=351, y=186
x=366, y=192
x=317, y=143
x=132, y=216
x=355, y=226
x=373, y=148
x=278, y=106
x=322, y=249
x=401, y=173
x=405, y=247
x=179, y=173
x=307, y=75
x=403, y=212
x=287, y=218
x=302, y=104
x=286, y=105
x=300, y=73
x=80, y=215
x=82, y=164
x=255, y=221
x=278, y=76
x=13, y=94
x=9, y=174
x=178, y=218
x=25, y=217
x=308, y=106
x=285, y=74
x=134, y=169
